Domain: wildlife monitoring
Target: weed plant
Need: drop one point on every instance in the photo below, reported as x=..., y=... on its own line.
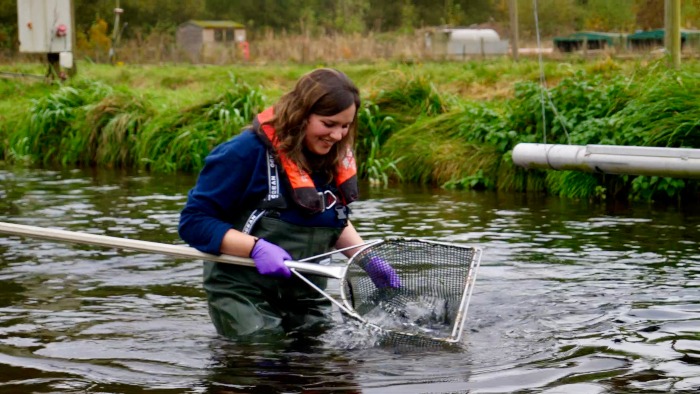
x=374, y=130
x=420, y=123
x=656, y=108
x=180, y=140
x=50, y=132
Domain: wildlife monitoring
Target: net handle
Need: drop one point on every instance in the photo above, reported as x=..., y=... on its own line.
x=344, y=308
x=180, y=251
x=330, y=298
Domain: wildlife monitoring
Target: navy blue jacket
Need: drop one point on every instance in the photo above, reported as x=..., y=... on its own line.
x=232, y=183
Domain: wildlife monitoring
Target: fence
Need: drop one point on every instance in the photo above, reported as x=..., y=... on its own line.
x=284, y=48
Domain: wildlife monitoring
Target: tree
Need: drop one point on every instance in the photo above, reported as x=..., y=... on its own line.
x=8, y=31
x=650, y=14
x=554, y=17
x=613, y=16
x=690, y=14
x=350, y=16
x=355, y=16
x=385, y=15
x=160, y=14
x=408, y=17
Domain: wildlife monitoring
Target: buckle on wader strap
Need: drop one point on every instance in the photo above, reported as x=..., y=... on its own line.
x=328, y=198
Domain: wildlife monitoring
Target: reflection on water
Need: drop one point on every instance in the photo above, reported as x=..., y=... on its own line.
x=570, y=297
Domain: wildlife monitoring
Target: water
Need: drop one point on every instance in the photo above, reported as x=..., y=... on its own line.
x=570, y=298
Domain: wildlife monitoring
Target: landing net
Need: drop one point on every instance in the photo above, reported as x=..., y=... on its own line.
x=437, y=280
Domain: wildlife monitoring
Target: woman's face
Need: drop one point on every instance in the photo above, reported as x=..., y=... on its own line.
x=324, y=131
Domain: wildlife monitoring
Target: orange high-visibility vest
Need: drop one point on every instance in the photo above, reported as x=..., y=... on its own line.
x=303, y=189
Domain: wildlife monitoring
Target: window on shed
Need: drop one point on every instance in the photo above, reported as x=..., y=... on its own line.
x=229, y=35
x=218, y=35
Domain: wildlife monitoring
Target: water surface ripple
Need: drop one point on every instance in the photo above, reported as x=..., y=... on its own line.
x=571, y=297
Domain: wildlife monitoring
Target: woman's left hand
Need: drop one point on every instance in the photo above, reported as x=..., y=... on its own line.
x=381, y=273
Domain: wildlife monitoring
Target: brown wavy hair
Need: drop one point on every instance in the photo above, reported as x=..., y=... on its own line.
x=324, y=92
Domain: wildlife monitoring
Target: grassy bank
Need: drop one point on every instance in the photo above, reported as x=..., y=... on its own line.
x=447, y=124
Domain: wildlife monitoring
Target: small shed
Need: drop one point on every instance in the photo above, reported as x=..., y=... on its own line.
x=589, y=40
x=457, y=42
x=212, y=41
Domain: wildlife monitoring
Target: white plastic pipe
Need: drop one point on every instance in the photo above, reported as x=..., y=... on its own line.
x=610, y=159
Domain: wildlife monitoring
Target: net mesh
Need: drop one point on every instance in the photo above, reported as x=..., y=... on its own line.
x=436, y=280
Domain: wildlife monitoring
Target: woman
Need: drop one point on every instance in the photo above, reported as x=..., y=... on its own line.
x=279, y=191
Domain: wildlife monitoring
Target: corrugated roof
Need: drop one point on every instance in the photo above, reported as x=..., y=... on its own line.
x=217, y=24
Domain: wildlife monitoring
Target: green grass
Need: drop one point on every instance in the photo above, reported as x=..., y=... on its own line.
x=452, y=124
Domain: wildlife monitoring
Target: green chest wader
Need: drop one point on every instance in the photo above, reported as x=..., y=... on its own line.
x=242, y=302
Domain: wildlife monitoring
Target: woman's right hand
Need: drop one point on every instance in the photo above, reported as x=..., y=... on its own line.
x=269, y=259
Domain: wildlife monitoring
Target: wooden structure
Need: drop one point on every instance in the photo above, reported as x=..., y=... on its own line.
x=213, y=41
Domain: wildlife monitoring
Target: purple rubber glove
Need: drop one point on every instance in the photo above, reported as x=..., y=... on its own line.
x=381, y=273
x=269, y=259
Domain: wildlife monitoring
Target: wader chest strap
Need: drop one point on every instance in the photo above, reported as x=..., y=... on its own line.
x=273, y=193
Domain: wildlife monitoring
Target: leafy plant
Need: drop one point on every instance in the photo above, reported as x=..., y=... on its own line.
x=575, y=185
x=406, y=97
x=50, y=132
x=180, y=141
x=664, y=113
x=476, y=181
x=375, y=129
x=650, y=188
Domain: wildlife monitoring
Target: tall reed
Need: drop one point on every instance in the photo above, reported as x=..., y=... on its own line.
x=180, y=140
x=50, y=132
x=423, y=123
x=113, y=125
